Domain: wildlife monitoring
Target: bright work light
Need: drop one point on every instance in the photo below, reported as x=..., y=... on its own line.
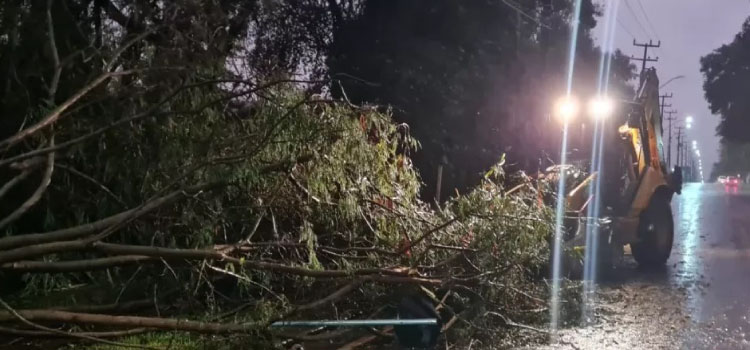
x=566, y=108
x=601, y=107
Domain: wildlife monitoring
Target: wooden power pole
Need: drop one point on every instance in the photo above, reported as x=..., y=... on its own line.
x=663, y=104
x=646, y=57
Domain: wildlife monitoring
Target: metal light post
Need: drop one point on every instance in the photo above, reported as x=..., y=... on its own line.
x=671, y=80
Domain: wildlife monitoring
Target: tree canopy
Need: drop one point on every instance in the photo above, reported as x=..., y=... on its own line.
x=727, y=79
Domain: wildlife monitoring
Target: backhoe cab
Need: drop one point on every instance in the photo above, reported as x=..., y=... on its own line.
x=636, y=187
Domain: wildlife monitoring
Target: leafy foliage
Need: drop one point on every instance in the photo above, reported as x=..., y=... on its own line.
x=297, y=175
x=726, y=77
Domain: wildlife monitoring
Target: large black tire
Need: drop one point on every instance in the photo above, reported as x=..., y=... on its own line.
x=655, y=233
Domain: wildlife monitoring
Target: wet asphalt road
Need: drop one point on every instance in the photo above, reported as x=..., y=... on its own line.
x=712, y=259
x=700, y=300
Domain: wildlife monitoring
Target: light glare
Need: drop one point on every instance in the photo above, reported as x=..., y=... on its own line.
x=601, y=107
x=566, y=108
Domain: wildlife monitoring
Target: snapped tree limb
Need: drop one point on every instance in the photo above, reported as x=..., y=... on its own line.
x=83, y=230
x=76, y=265
x=78, y=318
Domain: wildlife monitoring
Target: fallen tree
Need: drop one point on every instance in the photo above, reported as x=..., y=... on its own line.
x=212, y=200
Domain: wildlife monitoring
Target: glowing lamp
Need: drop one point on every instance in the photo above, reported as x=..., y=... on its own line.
x=566, y=108
x=601, y=107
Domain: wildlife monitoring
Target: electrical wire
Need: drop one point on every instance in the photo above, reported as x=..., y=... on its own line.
x=648, y=21
x=520, y=11
x=625, y=28
x=637, y=21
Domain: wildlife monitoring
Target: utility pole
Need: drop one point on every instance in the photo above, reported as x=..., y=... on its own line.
x=646, y=57
x=669, y=144
x=663, y=104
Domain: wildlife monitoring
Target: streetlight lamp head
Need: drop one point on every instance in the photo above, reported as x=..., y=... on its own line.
x=689, y=119
x=601, y=107
x=689, y=126
x=566, y=108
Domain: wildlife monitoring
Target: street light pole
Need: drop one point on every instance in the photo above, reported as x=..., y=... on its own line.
x=671, y=80
x=679, y=145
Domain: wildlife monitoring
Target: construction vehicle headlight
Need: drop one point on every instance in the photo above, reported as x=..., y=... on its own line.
x=601, y=107
x=566, y=108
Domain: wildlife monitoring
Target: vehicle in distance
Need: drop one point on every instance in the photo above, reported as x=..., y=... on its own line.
x=732, y=181
x=722, y=179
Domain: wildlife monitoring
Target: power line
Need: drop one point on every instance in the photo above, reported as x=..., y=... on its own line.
x=520, y=11
x=637, y=21
x=625, y=28
x=648, y=21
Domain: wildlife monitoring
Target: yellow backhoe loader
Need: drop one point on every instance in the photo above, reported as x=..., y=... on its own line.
x=636, y=187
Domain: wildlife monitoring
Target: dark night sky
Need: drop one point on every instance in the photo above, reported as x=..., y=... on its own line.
x=688, y=29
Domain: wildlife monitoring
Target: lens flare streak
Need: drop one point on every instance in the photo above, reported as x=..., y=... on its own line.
x=594, y=209
x=560, y=205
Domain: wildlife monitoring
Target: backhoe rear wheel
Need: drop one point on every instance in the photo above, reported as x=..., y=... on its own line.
x=655, y=233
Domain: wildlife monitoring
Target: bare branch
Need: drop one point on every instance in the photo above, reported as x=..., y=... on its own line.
x=49, y=315
x=12, y=182
x=13, y=314
x=201, y=254
x=76, y=265
x=37, y=195
x=111, y=64
x=28, y=163
x=339, y=293
x=426, y=234
x=117, y=15
x=80, y=138
x=511, y=323
x=53, y=116
x=41, y=250
x=55, y=55
x=447, y=247
x=150, y=112
x=83, y=230
x=249, y=246
x=109, y=334
x=93, y=181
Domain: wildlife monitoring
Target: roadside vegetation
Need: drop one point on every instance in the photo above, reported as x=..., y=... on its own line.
x=180, y=175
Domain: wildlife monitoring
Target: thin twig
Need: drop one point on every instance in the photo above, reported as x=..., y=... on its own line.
x=93, y=181
x=508, y=322
x=427, y=234
x=245, y=279
x=37, y=195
